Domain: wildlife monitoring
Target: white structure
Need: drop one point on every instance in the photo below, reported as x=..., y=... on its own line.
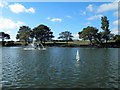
x=77, y=56
x=34, y=46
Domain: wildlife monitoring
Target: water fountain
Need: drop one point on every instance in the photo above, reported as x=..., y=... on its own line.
x=42, y=47
x=35, y=46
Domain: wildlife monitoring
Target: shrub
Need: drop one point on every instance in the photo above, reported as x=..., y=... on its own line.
x=117, y=40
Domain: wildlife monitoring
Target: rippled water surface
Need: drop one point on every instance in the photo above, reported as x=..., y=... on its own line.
x=57, y=67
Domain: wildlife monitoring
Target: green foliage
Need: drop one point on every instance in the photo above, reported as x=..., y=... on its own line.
x=65, y=36
x=92, y=34
x=24, y=33
x=88, y=33
x=105, y=27
x=105, y=23
x=42, y=33
x=98, y=38
x=4, y=36
x=117, y=38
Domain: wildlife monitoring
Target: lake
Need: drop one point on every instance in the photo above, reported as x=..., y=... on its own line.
x=57, y=67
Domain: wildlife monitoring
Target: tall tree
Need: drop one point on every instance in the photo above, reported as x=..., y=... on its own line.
x=42, y=33
x=105, y=27
x=88, y=33
x=24, y=33
x=65, y=36
x=4, y=36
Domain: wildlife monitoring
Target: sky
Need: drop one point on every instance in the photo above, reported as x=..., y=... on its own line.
x=58, y=16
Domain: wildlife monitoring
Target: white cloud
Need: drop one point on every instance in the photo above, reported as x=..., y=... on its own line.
x=107, y=7
x=88, y=23
x=68, y=16
x=18, y=8
x=82, y=12
x=114, y=30
x=115, y=13
x=8, y=31
x=48, y=18
x=3, y=4
x=32, y=10
x=75, y=36
x=95, y=17
x=90, y=8
x=116, y=22
x=55, y=19
x=8, y=24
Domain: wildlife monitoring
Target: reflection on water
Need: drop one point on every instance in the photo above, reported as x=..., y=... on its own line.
x=57, y=67
x=77, y=64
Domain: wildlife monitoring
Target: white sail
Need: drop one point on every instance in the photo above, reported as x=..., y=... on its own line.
x=77, y=56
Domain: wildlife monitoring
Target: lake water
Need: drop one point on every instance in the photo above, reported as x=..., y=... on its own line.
x=57, y=67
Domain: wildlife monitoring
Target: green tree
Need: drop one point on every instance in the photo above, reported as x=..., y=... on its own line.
x=98, y=38
x=116, y=38
x=4, y=36
x=105, y=27
x=88, y=33
x=65, y=36
x=42, y=33
x=24, y=33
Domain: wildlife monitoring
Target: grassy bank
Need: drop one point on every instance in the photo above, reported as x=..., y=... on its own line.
x=70, y=43
x=110, y=44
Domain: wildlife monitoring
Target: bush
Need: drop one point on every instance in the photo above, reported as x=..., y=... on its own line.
x=117, y=40
x=9, y=43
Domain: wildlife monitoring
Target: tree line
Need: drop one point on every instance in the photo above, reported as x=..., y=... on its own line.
x=94, y=36
x=91, y=33
x=43, y=33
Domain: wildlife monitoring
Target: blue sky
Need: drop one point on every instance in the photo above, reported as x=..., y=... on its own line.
x=59, y=16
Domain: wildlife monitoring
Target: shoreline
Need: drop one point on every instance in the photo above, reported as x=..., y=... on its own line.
x=73, y=45
x=64, y=44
